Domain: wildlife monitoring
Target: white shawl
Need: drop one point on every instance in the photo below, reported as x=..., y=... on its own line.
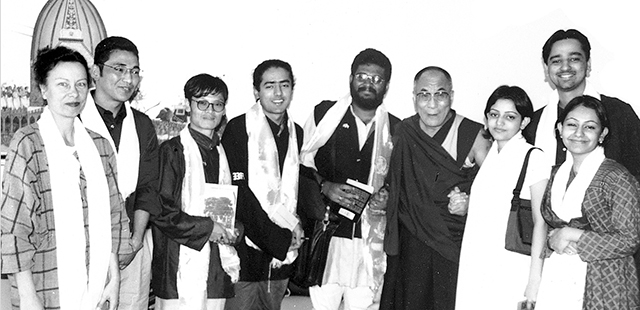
x=274, y=191
x=193, y=265
x=546, y=131
x=128, y=152
x=77, y=290
x=568, y=272
x=566, y=202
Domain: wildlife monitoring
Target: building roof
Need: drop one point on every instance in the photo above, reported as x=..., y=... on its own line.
x=73, y=23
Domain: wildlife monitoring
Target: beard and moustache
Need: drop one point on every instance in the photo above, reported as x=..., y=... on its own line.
x=366, y=103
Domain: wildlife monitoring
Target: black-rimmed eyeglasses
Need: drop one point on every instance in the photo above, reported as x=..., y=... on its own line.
x=204, y=105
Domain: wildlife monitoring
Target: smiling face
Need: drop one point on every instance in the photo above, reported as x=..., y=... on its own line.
x=433, y=112
x=66, y=89
x=113, y=87
x=581, y=131
x=275, y=93
x=206, y=121
x=504, y=121
x=567, y=67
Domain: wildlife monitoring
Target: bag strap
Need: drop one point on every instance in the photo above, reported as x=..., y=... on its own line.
x=523, y=173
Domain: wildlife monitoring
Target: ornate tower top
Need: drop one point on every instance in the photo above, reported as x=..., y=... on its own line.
x=73, y=23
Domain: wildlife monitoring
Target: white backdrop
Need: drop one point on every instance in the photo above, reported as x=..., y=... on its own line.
x=483, y=44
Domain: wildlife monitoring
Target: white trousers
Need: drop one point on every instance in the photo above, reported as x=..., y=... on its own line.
x=329, y=297
x=174, y=304
x=135, y=279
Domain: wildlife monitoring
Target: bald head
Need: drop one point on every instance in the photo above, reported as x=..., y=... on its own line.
x=434, y=71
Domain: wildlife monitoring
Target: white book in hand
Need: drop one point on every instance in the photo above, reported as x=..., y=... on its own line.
x=220, y=202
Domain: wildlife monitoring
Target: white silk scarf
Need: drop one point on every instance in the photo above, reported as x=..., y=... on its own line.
x=272, y=189
x=193, y=265
x=128, y=152
x=78, y=288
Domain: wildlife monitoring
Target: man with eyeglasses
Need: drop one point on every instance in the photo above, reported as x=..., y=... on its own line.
x=436, y=156
x=116, y=74
x=265, y=143
x=194, y=263
x=351, y=139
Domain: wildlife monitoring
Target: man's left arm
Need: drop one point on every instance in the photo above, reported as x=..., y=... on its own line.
x=146, y=204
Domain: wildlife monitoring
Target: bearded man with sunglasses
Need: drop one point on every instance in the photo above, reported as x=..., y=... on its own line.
x=117, y=75
x=351, y=139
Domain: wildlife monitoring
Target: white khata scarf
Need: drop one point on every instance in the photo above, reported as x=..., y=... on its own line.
x=373, y=222
x=193, y=265
x=77, y=290
x=274, y=191
x=128, y=152
x=546, y=131
x=566, y=202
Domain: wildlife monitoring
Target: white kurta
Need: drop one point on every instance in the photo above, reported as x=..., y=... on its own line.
x=490, y=276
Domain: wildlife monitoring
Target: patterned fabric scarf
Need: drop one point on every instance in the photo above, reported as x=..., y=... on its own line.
x=77, y=290
x=128, y=152
x=193, y=264
x=272, y=189
x=373, y=221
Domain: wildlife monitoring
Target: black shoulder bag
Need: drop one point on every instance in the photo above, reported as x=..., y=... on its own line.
x=520, y=225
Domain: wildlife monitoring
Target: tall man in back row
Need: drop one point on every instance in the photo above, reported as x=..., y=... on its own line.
x=567, y=64
x=436, y=156
x=351, y=139
x=132, y=136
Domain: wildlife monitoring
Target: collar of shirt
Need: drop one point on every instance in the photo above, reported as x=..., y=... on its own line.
x=114, y=124
x=363, y=129
x=203, y=140
x=279, y=129
x=108, y=116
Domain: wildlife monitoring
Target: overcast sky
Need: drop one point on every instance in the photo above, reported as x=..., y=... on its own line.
x=483, y=44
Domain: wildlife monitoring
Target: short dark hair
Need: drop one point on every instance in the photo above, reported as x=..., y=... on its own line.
x=516, y=94
x=589, y=103
x=434, y=68
x=203, y=85
x=109, y=45
x=372, y=56
x=563, y=35
x=268, y=64
x=48, y=58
